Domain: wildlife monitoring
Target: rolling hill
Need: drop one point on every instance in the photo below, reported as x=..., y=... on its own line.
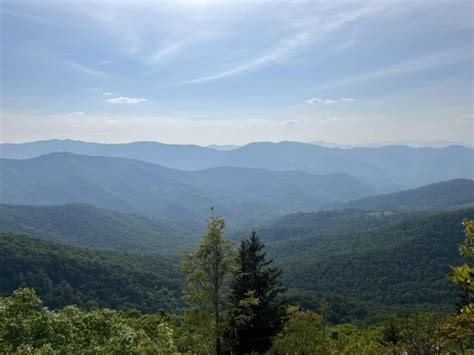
x=388, y=169
x=394, y=260
x=365, y=263
x=89, y=226
x=125, y=185
x=447, y=194
x=64, y=275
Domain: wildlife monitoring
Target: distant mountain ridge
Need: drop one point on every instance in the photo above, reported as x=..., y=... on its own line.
x=388, y=168
x=442, y=195
x=126, y=185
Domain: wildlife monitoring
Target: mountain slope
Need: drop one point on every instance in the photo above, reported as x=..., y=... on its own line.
x=125, y=185
x=390, y=261
x=65, y=275
x=389, y=168
x=441, y=195
x=89, y=226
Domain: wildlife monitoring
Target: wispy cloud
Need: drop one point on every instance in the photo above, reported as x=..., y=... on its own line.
x=125, y=100
x=107, y=93
x=26, y=16
x=103, y=62
x=167, y=51
x=312, y=31
x=347, y=99
x=426, y=62
x=82, y=68
x=284, y=48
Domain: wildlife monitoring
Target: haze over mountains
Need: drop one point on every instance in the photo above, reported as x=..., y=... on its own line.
x=385, y=169
x=447, y=194
x=318, y=210
x=128, y=185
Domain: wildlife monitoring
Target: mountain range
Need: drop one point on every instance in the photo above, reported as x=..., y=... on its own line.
x=386, y=169
x=126, y=185
x=441, y=195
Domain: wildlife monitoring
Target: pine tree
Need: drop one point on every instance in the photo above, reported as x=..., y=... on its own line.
x=258, y=313
x=208, y=268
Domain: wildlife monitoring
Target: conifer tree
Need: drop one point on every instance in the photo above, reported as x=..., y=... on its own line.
x=258, y=313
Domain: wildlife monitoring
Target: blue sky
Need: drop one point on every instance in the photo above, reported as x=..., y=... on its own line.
x=232, y=73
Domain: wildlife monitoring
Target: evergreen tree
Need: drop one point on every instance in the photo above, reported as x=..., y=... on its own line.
x=208, y=268
x=258, y=313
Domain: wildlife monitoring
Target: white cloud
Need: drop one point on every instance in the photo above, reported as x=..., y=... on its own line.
x=125, y=100
x=347, y=99
x=77, y=113
x=289, y=123
x=316, y=100
x=107, y=94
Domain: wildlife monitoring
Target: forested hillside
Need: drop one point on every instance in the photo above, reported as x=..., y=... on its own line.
x=64, y=275
x=127, y=185
x=87, y=225
x=397, y=260
x=367, y=262
x=447, y=194
x=257, y=318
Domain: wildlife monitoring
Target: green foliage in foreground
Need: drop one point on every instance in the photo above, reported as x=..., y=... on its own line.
x=386, y=264
x=306, y=332
x=257, y=310
x=26, y=326
x=208, y=270
x=463, y=275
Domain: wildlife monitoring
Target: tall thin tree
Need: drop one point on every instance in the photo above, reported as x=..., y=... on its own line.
x=208, y=268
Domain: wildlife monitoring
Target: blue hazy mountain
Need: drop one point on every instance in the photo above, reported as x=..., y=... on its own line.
x=442, y=195
x=388, y=169
x=128, y=185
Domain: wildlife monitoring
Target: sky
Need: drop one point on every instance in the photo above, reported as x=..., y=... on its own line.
x=204, y=73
